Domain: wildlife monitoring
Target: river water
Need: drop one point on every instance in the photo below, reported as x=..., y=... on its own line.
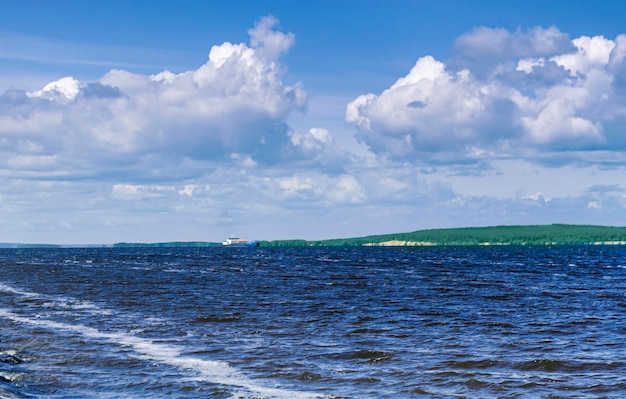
x=442, y=322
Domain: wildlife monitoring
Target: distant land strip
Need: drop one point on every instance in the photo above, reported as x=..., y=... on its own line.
x=553, y=234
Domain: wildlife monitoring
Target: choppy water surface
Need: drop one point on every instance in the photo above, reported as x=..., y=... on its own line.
x=506, y=322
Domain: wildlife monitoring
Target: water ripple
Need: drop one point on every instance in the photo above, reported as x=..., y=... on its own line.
x=313, y=322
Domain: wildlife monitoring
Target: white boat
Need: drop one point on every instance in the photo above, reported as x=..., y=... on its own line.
x=238, y=242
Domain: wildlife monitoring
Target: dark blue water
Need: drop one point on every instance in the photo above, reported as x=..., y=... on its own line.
x=505, y=322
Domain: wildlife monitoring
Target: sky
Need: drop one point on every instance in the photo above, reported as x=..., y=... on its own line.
x=156, y=121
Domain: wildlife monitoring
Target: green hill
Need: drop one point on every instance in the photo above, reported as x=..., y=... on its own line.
x=554, y=234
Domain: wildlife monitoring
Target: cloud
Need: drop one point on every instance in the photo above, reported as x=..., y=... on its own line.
x=317, y=188
x=502, y=95
x=317, y=149
x=62, y=90
x=270, y=43
x=232, y=107
x=605, y=188
x=136, y=192
x=432, y=112
x=591, y=53
x=483, y=47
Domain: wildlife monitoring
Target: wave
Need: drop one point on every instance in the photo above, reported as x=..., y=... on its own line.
x=211, y=371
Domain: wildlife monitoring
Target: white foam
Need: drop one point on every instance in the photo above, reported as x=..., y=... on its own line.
x=11, y=376
x=13, y=290
x=53, y=301
x=218, y=372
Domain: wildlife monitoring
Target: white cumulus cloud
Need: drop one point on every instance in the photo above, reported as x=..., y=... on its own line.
x=592, y=52
x=432, y=110
x=503, y=95
x=318, y=188
x=59, y=90
x=235, y=103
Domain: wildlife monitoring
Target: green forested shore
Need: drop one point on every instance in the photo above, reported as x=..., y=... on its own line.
x=554, y=234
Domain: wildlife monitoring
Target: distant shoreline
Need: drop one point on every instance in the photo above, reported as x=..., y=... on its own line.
x=553, y=234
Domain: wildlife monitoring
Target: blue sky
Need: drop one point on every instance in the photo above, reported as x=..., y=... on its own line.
x=161, y=120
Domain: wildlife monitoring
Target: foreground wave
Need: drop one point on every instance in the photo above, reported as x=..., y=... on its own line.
x=215, y=372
